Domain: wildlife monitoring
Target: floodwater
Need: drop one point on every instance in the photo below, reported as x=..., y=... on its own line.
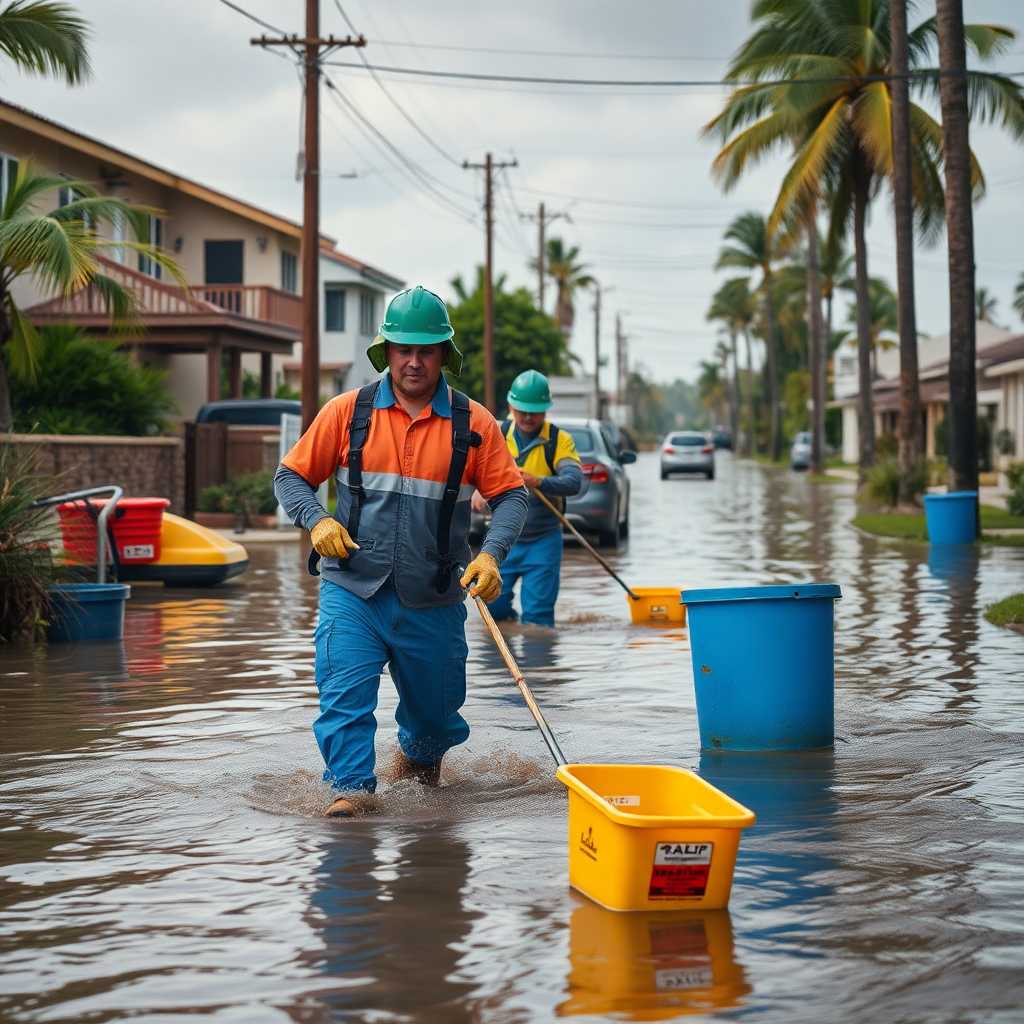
x=161, y=857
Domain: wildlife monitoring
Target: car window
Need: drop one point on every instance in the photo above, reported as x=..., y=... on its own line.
x=687, y=440
x=584, y=439
x=610, y=443
x=803, y=438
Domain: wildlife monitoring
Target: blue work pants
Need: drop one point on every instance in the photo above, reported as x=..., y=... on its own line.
x=425, y=649
x=538, y=563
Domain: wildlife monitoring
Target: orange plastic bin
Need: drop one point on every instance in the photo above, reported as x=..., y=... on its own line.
x=136, y=525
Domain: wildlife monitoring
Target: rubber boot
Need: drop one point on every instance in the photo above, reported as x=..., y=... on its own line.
x=352, y=805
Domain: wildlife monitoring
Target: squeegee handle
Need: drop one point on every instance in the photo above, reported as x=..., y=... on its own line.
x=576, y=533
x=517, y=676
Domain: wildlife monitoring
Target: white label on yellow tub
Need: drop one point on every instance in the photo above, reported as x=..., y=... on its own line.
x=139, y=551
x=680, y=870
x=683, y=977
x=624, y=801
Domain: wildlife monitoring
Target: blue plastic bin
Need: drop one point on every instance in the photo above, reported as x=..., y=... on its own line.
x=87, y=611
x=951, y=518
x=763, y=665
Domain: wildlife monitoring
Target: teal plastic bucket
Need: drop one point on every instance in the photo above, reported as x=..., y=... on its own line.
x=951, y=518
x=763, y=665
x=87, y=611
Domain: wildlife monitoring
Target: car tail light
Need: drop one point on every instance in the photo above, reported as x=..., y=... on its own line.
x=596, y=472
x=669, y=450
x=707, y=450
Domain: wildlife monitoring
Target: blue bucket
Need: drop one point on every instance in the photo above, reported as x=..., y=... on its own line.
x=951, y=517
x=87, y=611
x=763, y=665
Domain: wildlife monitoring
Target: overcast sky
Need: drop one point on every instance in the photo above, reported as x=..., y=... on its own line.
x=178, y=83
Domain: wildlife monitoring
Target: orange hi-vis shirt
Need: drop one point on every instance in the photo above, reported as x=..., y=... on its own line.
x=405, y=469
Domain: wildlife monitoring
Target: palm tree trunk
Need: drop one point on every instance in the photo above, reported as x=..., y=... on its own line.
x=734, y=406
x=865, y=403
x=748, y=436
x=775, y=442
x=6, y=415
x=963, y=396
x=814, y=331
x=911, y=448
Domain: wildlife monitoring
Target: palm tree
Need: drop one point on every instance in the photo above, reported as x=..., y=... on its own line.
x=733, y=305
x=834, y=103
x=45, y=37
x=985, y=305
x=756, y=249
x=568, y=275
x=883, y=316
x=1018, y=297
x=59, y=249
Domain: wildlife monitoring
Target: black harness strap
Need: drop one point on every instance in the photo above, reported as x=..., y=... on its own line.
x=550, y=447
x=462, y=440
x=358, y=430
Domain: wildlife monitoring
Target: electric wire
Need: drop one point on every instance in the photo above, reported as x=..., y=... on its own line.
x=394, y=102
x=551, y=53
x=481, y=76
x=252, y=17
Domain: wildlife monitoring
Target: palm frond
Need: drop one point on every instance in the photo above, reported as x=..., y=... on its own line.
x=872, y=120
x=23, y=343
x=46, y=37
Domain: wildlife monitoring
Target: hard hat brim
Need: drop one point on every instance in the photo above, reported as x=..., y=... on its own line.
x=515, y=403
x=376, y=352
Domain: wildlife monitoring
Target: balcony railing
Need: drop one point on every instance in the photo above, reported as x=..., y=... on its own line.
x=254, y=301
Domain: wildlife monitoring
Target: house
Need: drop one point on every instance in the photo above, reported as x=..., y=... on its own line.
x=933, y=377
x=241, y=311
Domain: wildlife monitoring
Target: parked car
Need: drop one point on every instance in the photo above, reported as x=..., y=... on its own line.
x=722, y=437
x=603, y=506
x=687, y=451
x=800, y=452
x=248, y=412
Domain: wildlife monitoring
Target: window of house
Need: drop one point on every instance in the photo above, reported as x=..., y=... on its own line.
x=289, y=271
x=8, y=175
x=367, y=320
x=147, y=265
x=334, y=308
x=66, y=195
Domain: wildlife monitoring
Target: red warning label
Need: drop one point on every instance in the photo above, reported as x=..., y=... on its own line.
x=680, y=870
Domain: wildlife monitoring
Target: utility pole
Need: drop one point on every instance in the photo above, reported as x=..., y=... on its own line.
x=620, y=349
x=311, y=46
x=543, y=219
x=598, y=290
x=489, y=167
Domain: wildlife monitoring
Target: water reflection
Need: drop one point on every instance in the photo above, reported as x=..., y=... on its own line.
x=647, y=965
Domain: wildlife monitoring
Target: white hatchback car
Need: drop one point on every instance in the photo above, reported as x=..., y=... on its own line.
x=687, y=451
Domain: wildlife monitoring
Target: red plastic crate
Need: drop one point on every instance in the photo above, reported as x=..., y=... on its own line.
x=136, y=524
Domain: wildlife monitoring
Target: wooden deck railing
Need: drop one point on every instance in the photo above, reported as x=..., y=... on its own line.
x=254, y=301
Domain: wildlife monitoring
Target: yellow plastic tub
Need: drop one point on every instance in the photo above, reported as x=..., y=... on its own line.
x=650, y=965
x=647, y=837
x=660, y=605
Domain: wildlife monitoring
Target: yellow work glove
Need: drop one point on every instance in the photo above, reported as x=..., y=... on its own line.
x=329, y=537
x=483, y=569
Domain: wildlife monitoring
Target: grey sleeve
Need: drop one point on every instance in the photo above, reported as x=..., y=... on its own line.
x=298, y=498
x=508, y=514
x=567, y=481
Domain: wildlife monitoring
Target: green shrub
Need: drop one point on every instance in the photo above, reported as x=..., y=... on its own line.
x=1015, y=499
x=27, y=567
x=214, y=498
x=85, y=385
x=882, y=483
x=938, y=472
x=1005, y=443
x=249, y=494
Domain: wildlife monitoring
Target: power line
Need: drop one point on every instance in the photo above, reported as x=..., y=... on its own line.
x=398, y=106
x=633, y=204
x=551, y=53
x=671, y=83
x=252, y=17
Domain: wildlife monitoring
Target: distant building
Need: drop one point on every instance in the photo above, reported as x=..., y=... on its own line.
x=242, y=308
x=933, y=376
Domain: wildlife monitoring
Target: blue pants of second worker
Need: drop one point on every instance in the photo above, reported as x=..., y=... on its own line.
x=538, y=563
x=425, y=649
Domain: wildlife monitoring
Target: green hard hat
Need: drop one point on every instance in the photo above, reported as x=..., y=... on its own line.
x=530, y=392
x=415, y=317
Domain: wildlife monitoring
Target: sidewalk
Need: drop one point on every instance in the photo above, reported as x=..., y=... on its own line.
x=986, y=495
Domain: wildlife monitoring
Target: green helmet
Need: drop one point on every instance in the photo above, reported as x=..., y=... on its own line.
x=415, y=317
x=530, y=392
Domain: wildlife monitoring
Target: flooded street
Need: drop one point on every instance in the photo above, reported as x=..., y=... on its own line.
x=161, y=854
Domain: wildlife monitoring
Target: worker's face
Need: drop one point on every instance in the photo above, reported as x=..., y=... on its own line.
x=530, y=422
x=415, y=369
